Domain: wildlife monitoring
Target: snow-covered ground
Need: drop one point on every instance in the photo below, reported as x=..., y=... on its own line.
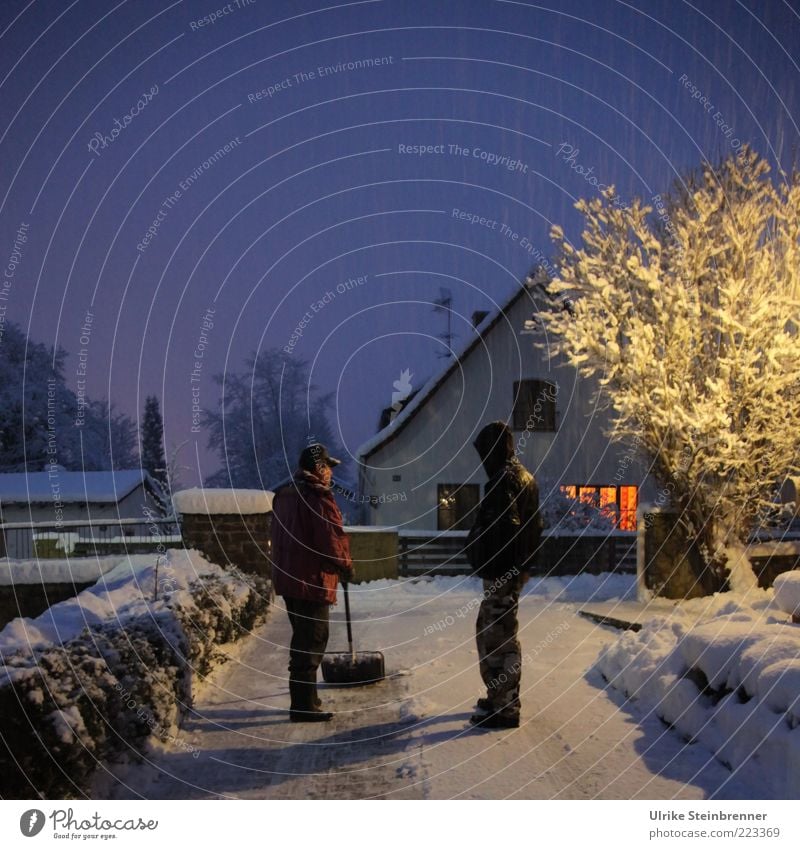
x=409, y=736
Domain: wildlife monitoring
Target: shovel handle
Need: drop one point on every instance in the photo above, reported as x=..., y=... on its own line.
x=349, y=625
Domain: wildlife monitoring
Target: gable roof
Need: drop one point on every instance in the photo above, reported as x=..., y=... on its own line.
x=406, y=415
x=69, y=487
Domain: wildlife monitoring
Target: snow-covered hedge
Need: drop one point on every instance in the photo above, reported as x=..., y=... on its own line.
x=107, y=691
x=561, y=513
x=77, y=570
x=723, y=672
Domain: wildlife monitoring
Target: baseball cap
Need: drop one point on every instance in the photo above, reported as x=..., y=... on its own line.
x=315, y=454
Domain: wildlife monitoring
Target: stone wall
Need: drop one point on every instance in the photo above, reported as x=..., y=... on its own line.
x=231, y=539
x=770, y=559
x=244, y=541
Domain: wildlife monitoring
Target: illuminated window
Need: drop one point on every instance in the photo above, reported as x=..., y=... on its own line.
x=628, y=504
x=455, y=505
x=619, y=503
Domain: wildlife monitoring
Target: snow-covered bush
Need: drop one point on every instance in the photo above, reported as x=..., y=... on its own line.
x=691, y=327
x=107, y=691
x=65, y=708
x=561, y=512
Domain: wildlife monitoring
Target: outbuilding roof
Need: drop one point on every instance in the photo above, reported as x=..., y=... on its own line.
x=69, y=487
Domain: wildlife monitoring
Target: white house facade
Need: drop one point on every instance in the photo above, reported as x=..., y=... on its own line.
x=422, y=472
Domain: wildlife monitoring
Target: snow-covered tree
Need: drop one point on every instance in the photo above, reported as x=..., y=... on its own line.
x=39, y=414
x=109, y=439
x=689, y=319
x=267, y=415
x=152, y=451
x=36, y=407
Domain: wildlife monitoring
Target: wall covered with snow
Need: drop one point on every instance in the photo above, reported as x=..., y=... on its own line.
x=217, y=502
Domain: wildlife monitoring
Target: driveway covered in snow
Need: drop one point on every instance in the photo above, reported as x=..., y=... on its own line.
x=409, y=737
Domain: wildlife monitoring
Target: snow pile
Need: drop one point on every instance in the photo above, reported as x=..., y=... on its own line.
x=787, y=592
x=110, y=671
x=209, y=502
x=742, y=579
x=724, y=672
x=81, y=570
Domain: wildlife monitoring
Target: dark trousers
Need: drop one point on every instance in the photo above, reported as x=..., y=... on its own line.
x=309, y=621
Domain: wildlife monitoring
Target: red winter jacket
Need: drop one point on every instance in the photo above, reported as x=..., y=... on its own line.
x=309, y=546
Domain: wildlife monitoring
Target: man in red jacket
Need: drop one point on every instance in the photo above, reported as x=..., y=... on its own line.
x=310, y=550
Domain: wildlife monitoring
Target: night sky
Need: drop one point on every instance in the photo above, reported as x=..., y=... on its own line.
x=204, y=174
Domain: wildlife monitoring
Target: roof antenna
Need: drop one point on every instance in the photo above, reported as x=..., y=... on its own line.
x=444, y=304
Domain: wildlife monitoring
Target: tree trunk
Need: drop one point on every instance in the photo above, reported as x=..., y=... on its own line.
x=701, y=534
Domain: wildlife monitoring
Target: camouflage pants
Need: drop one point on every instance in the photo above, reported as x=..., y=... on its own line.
x=499, y=652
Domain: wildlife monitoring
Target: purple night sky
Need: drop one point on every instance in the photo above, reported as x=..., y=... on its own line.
x=178, y=166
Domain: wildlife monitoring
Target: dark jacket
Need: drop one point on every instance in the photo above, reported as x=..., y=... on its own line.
x=508, y=527
x=309, y=546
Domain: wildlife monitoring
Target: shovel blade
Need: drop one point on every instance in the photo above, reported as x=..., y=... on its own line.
x=366, y=668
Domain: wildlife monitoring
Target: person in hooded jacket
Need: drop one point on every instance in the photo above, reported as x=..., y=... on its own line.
x=310, y=552
x=501, y=546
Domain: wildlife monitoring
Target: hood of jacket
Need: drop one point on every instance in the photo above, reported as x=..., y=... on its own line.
x=495, y=447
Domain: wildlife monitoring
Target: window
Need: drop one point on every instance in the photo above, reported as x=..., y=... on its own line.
x=456, y=503
x=534, y=405
x=628, y=503
x=617, y=502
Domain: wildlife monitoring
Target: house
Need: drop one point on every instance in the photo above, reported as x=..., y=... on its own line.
x=421, y=471
x=59, y=500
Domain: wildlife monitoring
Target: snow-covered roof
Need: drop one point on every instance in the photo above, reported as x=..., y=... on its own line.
x=216, y=502
x=69, y=487
x=428, y=390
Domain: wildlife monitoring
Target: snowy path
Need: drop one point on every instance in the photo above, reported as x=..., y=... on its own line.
x=409, y=737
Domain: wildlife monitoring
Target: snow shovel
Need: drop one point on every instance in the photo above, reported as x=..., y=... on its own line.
x=364, y=667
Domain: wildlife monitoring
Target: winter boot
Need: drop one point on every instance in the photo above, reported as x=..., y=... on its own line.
x=304, y=706
x=495, y=720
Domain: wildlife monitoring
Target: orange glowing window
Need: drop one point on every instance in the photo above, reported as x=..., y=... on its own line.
x=618, y=503
x=628, y=504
